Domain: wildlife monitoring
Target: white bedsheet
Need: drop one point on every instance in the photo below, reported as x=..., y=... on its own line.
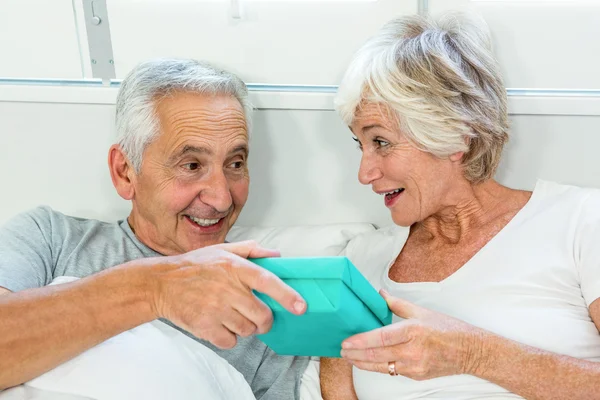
x=152, y=362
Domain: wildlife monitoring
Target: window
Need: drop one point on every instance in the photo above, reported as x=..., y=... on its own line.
x=285, y=42
x=272, y=42
x=38, y=40
x=541, y=43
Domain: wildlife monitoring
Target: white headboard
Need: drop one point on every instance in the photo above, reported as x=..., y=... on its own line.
x=303, y=162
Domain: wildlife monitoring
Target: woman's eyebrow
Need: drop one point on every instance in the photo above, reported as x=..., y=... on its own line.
x=369, y=127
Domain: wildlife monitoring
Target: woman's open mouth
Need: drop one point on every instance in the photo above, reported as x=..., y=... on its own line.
x=391, y=197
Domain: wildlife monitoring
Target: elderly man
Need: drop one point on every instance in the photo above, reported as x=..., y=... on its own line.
x=181, y=159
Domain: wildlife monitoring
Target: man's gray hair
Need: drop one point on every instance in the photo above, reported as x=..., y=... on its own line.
x=136, y=121
x=441, y=82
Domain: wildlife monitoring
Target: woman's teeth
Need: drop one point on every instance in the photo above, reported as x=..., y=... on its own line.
x=393, y=192
x=204, y=222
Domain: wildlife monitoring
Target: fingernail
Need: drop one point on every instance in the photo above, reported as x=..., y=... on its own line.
x=347, y=345
x=384, y=292
x=343, y=353
x=299, y=306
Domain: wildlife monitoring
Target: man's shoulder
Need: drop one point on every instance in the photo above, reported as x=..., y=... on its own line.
x=73, y=246
x=46, y=219
x=64, y=235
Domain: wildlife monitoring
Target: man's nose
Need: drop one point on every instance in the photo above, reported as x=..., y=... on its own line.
x=368, y=170
x=217, y=193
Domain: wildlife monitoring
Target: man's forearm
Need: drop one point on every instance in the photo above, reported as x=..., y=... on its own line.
x=42, y=328
x=536, y=374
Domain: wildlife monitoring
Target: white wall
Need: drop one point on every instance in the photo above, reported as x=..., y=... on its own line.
x=303, y=162
x=564, y=149
x=56, y=154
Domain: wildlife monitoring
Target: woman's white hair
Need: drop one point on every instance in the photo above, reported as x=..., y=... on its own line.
x=442, y=83
x=136, y=121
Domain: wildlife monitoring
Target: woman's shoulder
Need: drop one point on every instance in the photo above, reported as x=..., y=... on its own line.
x=566, y=206
x=551, y=188
x=568, y=197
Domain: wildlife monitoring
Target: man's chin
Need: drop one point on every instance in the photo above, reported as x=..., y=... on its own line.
x=199, y=243
x=196, y=241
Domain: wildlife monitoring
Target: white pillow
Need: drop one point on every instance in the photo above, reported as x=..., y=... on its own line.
x=23, y=392
x=302, y=241
x=152, y=362
x=310, y=385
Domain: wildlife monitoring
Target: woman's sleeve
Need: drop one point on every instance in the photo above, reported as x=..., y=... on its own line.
x=587, y=247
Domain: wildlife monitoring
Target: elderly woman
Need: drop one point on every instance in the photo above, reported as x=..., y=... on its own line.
x=494, y=289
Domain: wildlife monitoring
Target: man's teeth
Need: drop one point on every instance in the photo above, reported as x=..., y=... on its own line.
x=204, y=222
x=393, y=192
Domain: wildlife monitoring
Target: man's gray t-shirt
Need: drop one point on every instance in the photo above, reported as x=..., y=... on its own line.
x=42, y=244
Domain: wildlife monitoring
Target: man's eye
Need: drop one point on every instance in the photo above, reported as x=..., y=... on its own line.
x=191, y=166
x=237, y=164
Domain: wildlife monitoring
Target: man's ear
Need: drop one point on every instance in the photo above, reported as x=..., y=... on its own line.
x=121, y=172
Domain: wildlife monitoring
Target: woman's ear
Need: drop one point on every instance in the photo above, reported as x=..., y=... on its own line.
x=458, y=156
x=122, y=173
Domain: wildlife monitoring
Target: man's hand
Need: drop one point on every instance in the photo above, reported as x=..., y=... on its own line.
x=208, y=292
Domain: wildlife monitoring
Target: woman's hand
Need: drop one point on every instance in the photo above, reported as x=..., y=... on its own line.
x=425, y=345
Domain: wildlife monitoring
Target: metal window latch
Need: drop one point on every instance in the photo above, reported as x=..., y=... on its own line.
x=96, y=20
x=99, y=41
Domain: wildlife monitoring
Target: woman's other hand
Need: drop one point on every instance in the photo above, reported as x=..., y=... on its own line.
x=425, y=345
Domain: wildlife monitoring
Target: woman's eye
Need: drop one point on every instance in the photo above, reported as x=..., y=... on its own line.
x=381, y=143
x=191, y=166
x=358, y=143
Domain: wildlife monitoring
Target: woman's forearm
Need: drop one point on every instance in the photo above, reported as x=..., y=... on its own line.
x=533, y=373
x=336, y=380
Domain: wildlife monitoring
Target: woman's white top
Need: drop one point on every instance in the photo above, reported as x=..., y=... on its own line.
x=532, y=283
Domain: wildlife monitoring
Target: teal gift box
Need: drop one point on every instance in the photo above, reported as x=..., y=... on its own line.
x=340, y=304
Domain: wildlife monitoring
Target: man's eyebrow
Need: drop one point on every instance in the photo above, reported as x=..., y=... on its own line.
x=242, y=148
x=190, y=149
